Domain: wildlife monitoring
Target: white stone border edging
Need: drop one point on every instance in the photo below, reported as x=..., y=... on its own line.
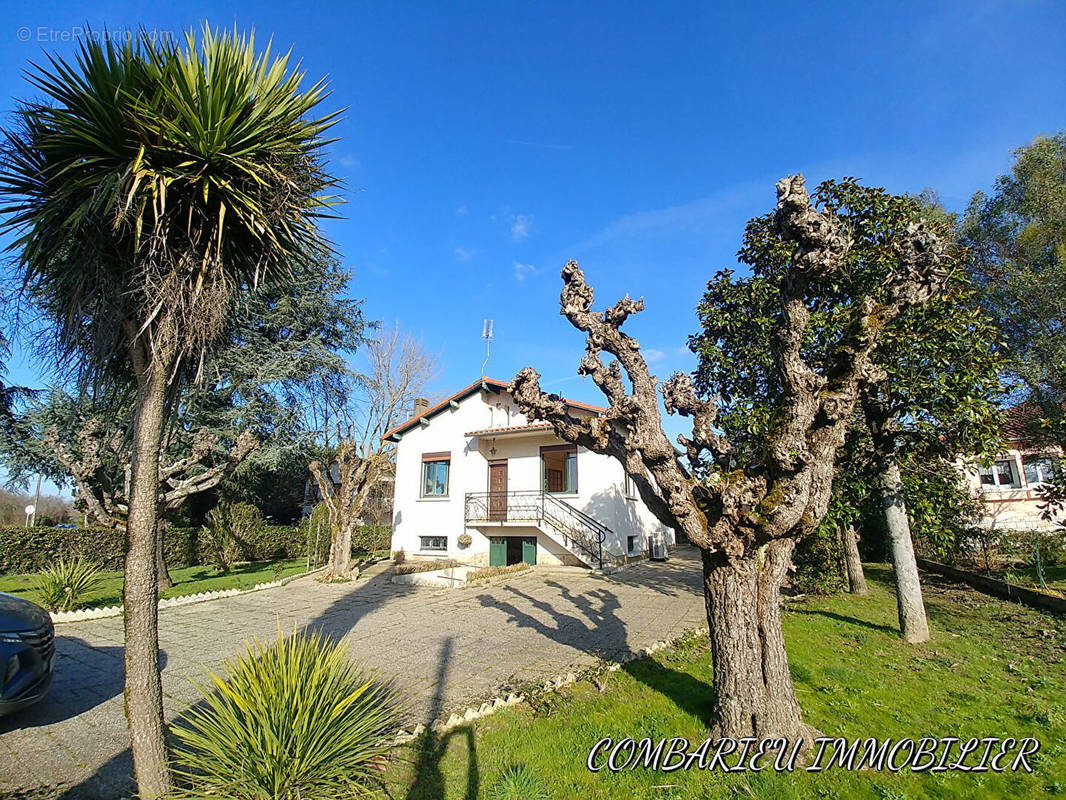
x=169, y=602
x=551, y=685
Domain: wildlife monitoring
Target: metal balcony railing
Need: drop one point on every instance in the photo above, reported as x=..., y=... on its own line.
x=576, y=528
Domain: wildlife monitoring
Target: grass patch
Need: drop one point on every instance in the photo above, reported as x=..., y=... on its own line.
x=1054, y=577
x=492, y=572
x=992, y=669
x=411, y=567
x=187, y=580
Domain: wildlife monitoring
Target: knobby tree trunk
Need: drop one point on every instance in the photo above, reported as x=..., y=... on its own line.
x=856, y=577
x=912, y=622
x=753, y=691
x=144, y=692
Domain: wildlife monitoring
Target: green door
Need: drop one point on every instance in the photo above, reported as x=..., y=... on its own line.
x=529, y=550
x=497, y=551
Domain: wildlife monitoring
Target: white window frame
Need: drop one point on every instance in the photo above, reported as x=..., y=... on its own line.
x=1045, y=470
x=422, y=544
x=997, y=485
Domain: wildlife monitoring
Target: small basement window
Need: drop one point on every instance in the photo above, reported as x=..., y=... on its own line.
x=631, y=544
x=433, y=543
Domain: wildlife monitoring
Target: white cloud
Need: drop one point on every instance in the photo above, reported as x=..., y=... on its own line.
x=461, y=211
x=522, y=270
x=349, y=162
x=520, y=226
x=652, y=355
x=465, y=253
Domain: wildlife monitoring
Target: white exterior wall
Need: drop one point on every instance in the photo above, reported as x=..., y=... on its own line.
x=601, y=484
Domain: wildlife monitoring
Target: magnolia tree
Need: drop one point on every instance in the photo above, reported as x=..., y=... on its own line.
x=746, y=511
x=939, y=379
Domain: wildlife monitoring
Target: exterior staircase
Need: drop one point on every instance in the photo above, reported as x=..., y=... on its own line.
x=583, y=536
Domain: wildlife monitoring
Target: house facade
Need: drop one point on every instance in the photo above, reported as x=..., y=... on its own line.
x=478, y=483
x=1009, y=487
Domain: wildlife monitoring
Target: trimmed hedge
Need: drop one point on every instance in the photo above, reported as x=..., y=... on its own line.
x=32, y=549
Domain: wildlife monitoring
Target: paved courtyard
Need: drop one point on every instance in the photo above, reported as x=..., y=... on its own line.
x=447, y=648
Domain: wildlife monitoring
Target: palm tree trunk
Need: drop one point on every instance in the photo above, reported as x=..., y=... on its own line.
x=912, y=621
x=144, y=691
x=162, y=573
x=856, y=577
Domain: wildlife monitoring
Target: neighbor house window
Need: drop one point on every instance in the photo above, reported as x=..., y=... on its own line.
x=559, y=468
x=435, y=543
x=1038, y=469
x=631, y=544
x=631, y=488
x=1001, y=475
x=435, y=474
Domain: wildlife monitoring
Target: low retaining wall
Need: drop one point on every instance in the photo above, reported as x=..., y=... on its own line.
x=998, y=588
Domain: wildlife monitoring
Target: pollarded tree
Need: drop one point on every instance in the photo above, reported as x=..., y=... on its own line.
x=939, y=369
x=153, y=182
x=352, y=465
x=745, y=508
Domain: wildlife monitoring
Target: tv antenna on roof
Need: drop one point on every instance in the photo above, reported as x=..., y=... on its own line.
x=486, y=334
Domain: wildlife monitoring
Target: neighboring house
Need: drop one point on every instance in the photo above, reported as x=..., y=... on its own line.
x=378, y=507
x=473, y=465
x=1008, y=488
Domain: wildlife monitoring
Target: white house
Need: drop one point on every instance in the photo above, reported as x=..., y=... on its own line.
x=473, y=464
x=1009, y=488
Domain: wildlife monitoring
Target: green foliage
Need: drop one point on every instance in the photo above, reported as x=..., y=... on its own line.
x=940, y=363
x=518, y=782
x=31, y=549
x=1018, y=236
x=230, y=533
x=819, y=563
x=294, y=719
x=371, y=538
x=65, y=585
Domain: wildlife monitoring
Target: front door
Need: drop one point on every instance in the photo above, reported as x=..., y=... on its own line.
x=498, y=491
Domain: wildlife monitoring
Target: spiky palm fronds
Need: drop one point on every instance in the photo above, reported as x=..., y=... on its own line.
x=155, y=178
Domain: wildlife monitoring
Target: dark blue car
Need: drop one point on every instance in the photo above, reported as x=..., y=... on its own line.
x=27, y=652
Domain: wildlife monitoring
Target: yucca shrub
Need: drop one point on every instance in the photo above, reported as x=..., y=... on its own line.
x=292, y=720
x=65, y=585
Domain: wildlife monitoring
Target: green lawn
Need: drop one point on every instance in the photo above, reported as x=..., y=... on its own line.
x=187, y=580
x=992, y=669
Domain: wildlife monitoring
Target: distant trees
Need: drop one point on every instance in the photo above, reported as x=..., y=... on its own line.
x=354, y=457
x=151, y=183
x=746, y=503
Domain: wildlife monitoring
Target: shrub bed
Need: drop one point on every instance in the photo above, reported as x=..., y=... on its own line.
x=492, y=572
x=411, y=567
x=32, y=549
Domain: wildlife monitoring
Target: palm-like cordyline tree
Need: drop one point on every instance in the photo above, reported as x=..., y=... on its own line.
x=153, y=181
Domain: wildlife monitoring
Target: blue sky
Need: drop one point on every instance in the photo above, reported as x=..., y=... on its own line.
x=484, y=145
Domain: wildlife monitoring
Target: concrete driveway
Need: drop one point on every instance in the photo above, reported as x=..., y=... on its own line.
x=447, y=648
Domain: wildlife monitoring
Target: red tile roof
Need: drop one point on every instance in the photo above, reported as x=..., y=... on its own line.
x=487, y=383
x=1020, y=422
x=541, y=426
